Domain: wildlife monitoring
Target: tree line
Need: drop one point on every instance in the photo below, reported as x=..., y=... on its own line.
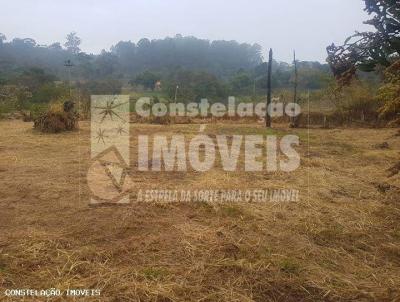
x=38, y=74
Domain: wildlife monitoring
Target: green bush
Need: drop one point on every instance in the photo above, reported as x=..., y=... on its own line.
x=389, y=93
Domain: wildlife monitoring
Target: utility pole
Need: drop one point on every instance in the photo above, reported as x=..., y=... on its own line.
x=68, y=64
x=294, y=119
x=269, y=91
x=295, y=77
x=176, y=92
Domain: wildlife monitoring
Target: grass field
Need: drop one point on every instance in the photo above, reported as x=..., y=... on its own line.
x=339, y=242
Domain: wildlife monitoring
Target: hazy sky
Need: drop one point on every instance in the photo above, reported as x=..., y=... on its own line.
x=307, y=26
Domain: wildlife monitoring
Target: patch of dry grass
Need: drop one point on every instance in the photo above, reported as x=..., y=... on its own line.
x=340, y=242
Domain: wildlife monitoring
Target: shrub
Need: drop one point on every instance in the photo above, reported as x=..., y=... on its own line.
x=389, y=93
x=356, y=101
x=59, y=118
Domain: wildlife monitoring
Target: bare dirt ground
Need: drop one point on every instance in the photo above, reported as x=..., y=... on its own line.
x=340, y=242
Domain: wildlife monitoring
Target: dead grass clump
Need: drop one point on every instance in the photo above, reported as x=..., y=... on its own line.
x=383, y=145
x=395, y=123
x=27, y=116
x=394, y=170
x=383, y=187
x=55, y=122
x=58, y=118
x=391, y=252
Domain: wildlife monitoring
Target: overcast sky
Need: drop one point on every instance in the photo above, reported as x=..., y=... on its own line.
x=307, y=26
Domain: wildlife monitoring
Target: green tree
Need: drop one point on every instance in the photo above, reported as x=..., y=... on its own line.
x=194, y=85
x=366, y=50
x=35, y=78
x=147, y=79
x=2, y=38
x=241, y=82
x=389, y=93
x=14, y=97
x=72, y=43
x=109, y=86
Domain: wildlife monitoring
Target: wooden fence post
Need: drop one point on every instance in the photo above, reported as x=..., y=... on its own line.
x=269, y=91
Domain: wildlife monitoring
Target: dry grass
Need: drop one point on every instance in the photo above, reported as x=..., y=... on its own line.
x=341, y=242
x=56, y=120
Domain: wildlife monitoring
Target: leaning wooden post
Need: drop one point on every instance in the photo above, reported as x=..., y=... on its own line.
x=296, y=77
x=294, y=122
x=269, y=91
